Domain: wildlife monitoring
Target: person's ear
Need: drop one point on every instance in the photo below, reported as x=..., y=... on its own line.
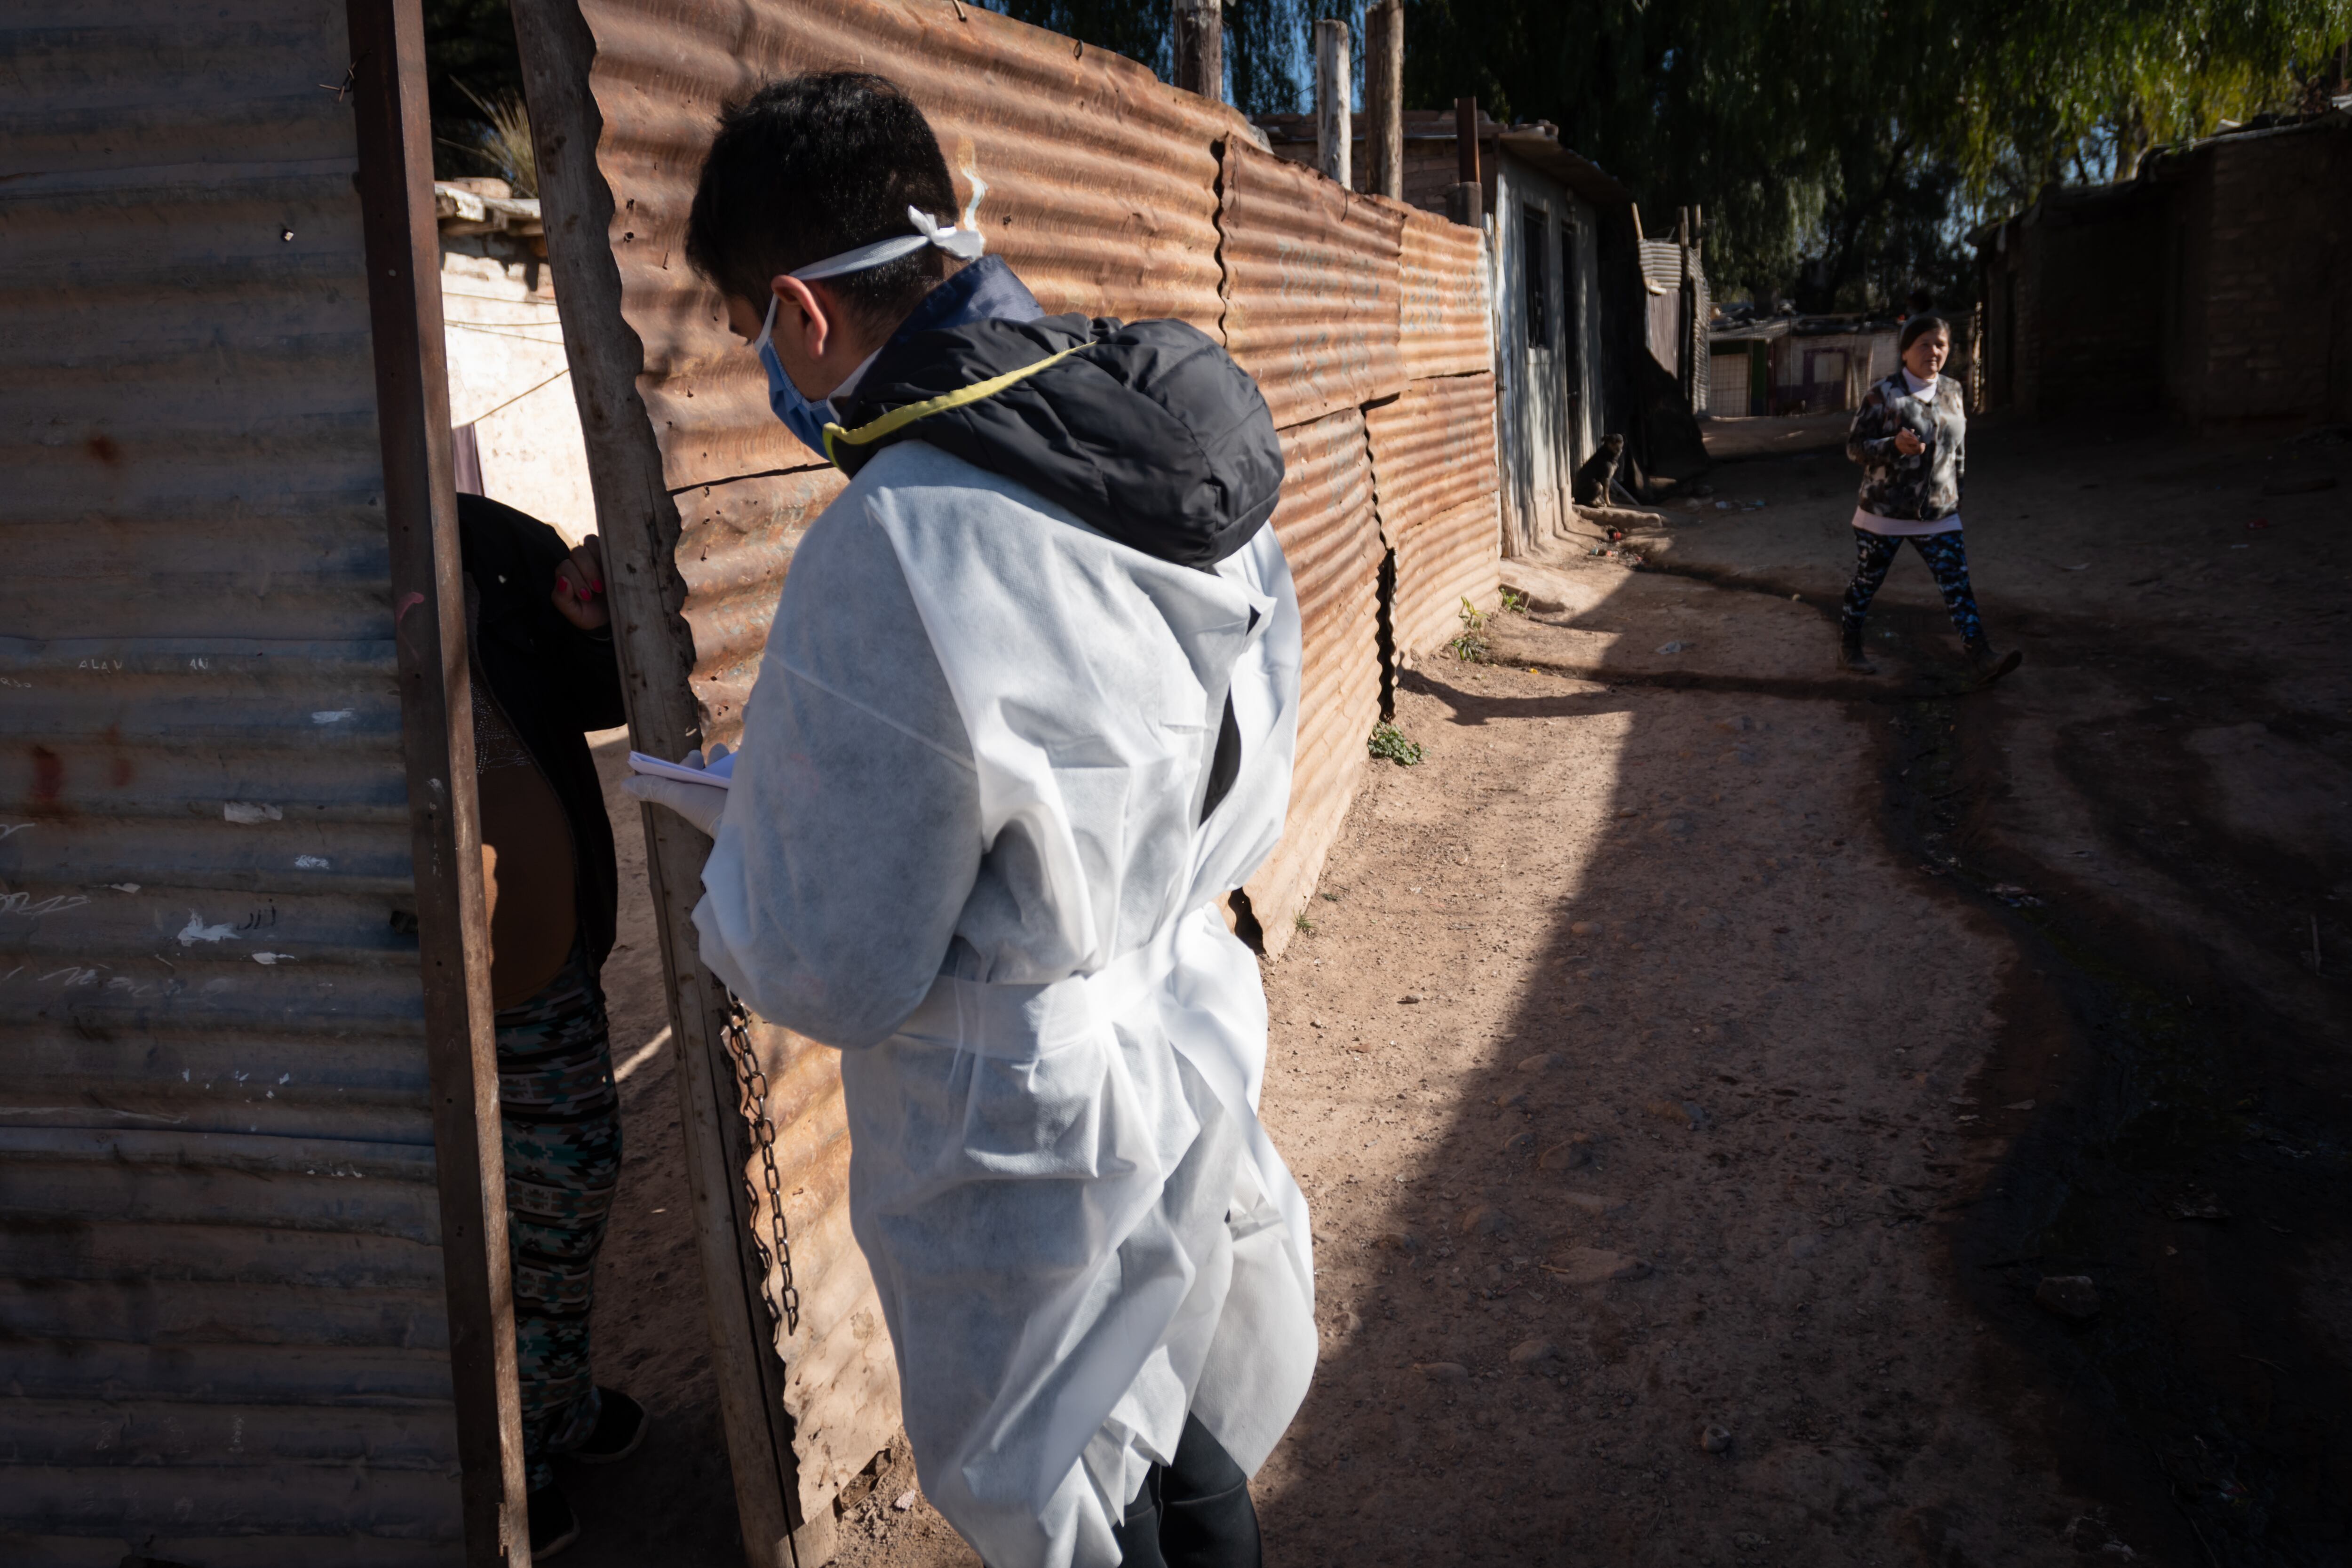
x=805, y=311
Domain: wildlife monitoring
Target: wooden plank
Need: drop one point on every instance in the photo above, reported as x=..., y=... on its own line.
x=428, y=605
x=639, y=523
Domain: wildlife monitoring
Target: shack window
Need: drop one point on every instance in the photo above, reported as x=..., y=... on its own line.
x=1535, y=276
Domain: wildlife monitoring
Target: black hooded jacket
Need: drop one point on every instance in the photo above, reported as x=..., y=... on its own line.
x=1148, y=431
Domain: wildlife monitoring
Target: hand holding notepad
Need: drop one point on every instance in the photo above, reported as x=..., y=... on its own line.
x=695, y=789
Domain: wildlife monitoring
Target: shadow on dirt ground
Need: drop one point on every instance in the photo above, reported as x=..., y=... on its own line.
x=1699, y=1061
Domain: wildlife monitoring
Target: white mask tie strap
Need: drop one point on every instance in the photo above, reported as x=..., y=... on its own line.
x=963, y=243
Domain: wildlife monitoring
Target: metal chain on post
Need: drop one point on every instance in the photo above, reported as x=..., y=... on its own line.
x=775, y=1248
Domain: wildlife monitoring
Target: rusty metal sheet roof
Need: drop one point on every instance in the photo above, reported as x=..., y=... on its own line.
x=215, y=1149
x=1093, y=179
x=1444, y=326
x=1311, y=286
x=1433, y=450
x=1330, y=534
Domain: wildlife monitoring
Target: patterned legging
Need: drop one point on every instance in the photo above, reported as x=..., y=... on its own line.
x=561, y=1118
x=1946, y=556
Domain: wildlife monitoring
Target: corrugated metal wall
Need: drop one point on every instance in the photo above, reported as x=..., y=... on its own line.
x=1332, y=539
x=221, y=1283
x=1444, y=325
x=1312, y=290
x=1434, y=470
x=1435, y=465
x=1112, y=195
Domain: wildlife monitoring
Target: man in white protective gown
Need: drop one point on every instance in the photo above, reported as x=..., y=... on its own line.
x=1026, y=713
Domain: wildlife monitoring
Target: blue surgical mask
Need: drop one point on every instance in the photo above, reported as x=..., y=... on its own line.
x=805, y=419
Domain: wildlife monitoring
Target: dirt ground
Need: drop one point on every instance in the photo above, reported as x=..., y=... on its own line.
x=1699, y=1061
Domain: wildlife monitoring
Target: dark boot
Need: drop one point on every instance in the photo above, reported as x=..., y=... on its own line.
x=1851, y=657
x=1987, y=665
x=554, y=1526
x=620, y=1427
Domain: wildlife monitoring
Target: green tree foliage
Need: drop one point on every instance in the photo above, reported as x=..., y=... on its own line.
x=1841, y=149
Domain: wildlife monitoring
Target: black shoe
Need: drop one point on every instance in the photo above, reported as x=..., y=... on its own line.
x=1989, y=666
x=553, y=1525
x=619, y=1428
x=1849, y=655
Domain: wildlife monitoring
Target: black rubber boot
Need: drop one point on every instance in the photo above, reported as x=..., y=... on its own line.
x=1989, y=666
x=1849, y=655
x=620, y=1427
x=553, y=1525
x=1194, y=1512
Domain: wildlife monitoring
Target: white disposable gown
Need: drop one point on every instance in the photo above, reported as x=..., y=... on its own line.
x=964, y=844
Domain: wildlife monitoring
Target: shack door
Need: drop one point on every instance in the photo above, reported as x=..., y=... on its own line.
x=248, y=1145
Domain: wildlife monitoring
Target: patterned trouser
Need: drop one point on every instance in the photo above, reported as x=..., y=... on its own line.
x=1946, y=556
x=563, y=1123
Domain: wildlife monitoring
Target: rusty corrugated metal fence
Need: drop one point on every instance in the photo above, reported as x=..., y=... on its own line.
x=1111, y=194
x=239, y=1243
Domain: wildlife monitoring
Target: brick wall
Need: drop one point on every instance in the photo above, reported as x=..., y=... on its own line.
x=2098, y=305
x=2272, y=291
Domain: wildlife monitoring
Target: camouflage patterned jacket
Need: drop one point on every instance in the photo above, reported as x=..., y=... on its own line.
x=1925, y=486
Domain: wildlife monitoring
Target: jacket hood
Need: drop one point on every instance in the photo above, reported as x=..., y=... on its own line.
x=1148, y=431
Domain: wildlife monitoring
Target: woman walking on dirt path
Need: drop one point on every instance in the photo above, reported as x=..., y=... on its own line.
x=1910, y=435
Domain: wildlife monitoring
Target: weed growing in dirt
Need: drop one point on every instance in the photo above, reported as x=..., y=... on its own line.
x=1388, y=742
x=1470, y=644
x=1513, y=604
x=1306, y=927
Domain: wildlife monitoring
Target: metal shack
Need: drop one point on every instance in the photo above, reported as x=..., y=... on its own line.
x=1674, y=275
x=1579, y=352
x=1802, y=364
x=1544, y=204
x=253, y=1266
x=2212, y=286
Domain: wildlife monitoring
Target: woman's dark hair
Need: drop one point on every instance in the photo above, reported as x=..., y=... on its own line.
x=809, y=167
x=1918, y=327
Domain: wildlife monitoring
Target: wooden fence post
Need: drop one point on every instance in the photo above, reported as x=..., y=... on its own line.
x=420, y=503
x=1384, y=97
x=638, y=520
x=1199, y=48
x=1333, y=132
x=1466, y=203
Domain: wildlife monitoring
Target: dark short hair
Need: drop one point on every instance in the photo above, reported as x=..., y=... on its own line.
x=1918, y=327
x=810, y=166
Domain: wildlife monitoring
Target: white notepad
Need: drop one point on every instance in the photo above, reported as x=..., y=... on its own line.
x=718, y=775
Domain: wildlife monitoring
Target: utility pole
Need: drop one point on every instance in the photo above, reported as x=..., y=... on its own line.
x=1333, y=130
x=1384, y=97
x=1466, y=203
x=1199, y=37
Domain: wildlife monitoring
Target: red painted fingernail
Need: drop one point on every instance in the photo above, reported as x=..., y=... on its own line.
x=598, y=585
